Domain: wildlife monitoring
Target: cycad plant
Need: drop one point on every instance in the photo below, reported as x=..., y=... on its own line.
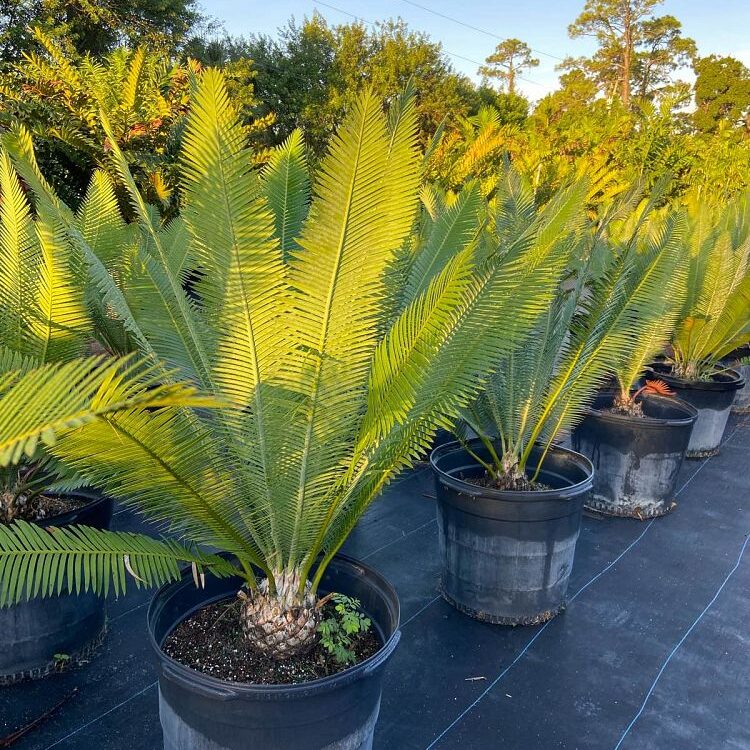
x=44, y=319
x=594, y=331
x=649, y=241
x=336, y=352
x=715, y=319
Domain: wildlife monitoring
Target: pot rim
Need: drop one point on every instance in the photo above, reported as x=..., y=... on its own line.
x=646, y=421
x=527, y=496
x=258, y=691
x=69, y=516
x=735, y=382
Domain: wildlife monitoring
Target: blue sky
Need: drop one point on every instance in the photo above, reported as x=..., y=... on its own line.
x=718, y=26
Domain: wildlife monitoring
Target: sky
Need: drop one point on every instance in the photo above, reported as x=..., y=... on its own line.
x=717, y=26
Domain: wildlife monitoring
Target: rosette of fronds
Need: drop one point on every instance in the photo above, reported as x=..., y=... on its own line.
x=715, y=319
x=337, y=344
x=652, y=243
x=595, y=330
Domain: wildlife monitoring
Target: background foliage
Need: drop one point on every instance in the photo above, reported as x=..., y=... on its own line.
x=618, y=116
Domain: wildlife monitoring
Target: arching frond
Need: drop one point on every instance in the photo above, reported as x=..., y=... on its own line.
x=45, y=562
x=715, y=317
x=186, y=345
x=18, y=258
x=449, y=234
x=100, y=222
x=42, y=309
x=39, y=404
x=363, y=208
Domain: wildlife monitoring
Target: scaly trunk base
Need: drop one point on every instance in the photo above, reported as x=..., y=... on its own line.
x=280, y=625
x=10, y=506
x=628, y=406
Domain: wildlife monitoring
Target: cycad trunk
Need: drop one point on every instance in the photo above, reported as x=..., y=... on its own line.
x=10, y=506
x=687, y=370
x=281, y=624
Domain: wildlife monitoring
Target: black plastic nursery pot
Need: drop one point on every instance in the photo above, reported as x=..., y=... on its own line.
x=741, y=403
x=712, y=399
x=200, y=712
x=636, y=459
x=507, y=555
x=35, y=634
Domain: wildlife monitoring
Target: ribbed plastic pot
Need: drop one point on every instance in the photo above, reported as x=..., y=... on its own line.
x=199, y=712
x=32, y=632
x=741, y=403
x=713, y=400
x=507, y=556
x=636, y=459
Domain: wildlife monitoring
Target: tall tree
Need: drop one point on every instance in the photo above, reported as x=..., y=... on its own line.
x=661, y=50
x=722, y=93
x=390, y=56
x=294, y=76
x=637, y=50
x=312, y=73
x=506, y=63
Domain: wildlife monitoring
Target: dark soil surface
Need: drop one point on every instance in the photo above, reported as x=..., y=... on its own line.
x=212, y=642
x=43, y=507
x=516, y=485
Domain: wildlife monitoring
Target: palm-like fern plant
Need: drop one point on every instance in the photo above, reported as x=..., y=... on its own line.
x=649, y=241
x=715, y=319
x=43, y=317
x=594, y=331
x=336, y=369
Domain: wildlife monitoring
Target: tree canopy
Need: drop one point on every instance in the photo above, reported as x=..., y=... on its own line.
x=509, y=59
x=637, y=50
x=96, y=27
x=618, y=115
x=722, y=93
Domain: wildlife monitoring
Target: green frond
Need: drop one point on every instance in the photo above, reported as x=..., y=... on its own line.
x=610, y=333
x=365, y=199
x=170, y=467
x=510, y=290
x=232, y=233
x=18, y=253
x=62, y=66
x=38, y=405
x=100, y=222
x=286, y=184
x=63, y=326
x=131, y=84
x=154, y=310
x=45, y=562
x=515, y=206
x=95, y=224
x=454, y=228
x=187, y=346
x=434, y=359
x=714, y=318
x=42, y=313
x=11, y=360
x=666, y=250
x=244, y=290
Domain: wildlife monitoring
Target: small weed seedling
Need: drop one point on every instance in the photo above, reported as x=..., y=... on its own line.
x=337, y=632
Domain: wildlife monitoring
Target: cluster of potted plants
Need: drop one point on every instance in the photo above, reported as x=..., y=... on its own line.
x=334, y=323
